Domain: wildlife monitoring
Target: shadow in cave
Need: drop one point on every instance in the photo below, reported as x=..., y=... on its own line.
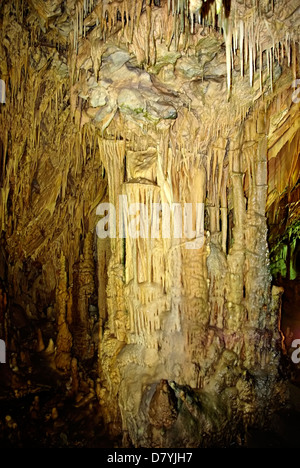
x=41, y=415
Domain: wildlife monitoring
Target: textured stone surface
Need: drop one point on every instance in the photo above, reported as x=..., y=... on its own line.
x=181, y=346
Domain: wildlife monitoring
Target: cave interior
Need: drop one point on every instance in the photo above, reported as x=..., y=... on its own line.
x=150, y=220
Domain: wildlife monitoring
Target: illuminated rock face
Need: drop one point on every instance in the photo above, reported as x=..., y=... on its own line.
x=203, y=320
x=142, y=103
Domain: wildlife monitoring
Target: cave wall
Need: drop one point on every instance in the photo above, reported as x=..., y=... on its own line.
x=160, y=103
x=283, y=223
x=51, y=183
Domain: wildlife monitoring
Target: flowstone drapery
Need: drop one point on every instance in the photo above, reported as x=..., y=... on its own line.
x=204, y=320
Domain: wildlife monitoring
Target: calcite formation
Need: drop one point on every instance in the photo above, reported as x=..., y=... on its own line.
x=164, y=104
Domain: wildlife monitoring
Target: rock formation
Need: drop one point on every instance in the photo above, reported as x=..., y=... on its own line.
x=166, y=104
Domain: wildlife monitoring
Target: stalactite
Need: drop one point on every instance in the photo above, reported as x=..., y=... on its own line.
x=271, y=68
x=294, y=59
x=260, y=68
x=251, y=60
x=288, y=48
x=228, y=42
